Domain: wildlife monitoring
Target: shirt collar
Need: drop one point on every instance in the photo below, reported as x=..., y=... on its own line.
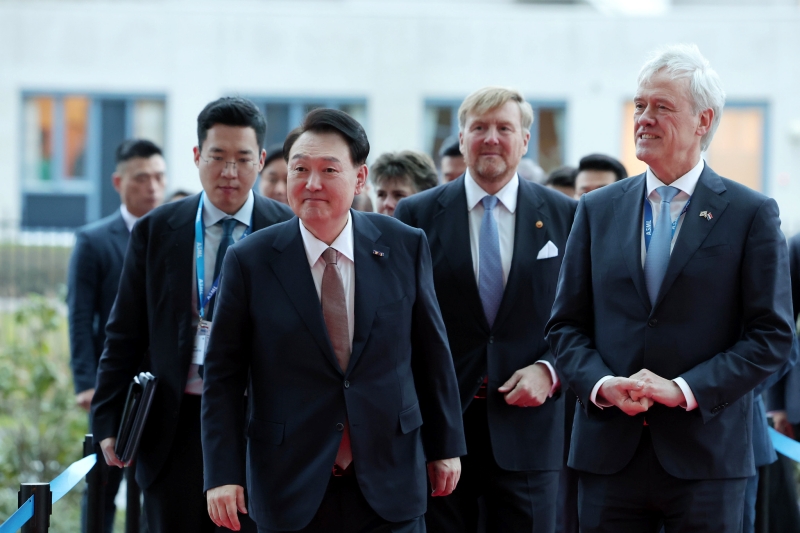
x=212, y=214
x=129, y=219
x=685, y=183
x=342, y=244
x=507, y=195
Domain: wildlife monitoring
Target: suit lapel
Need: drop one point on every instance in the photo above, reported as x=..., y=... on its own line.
x=178, y=242
x=292, y=270
x=695, y=228
x=528, y=239
x=120, y=234
x=452, y=222
x=368, y=275
x=628, y=215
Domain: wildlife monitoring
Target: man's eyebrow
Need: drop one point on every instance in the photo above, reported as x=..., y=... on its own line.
x=302, y=156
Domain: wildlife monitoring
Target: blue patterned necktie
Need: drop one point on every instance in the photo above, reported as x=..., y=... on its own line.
x=490, y=267
x=227, y=239
x=657, y=258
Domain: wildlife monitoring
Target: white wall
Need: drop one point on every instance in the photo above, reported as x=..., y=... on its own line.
x=395, y=54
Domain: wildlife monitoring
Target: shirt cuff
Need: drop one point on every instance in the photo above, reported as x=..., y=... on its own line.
x=691, y=402
x=553, y=376
x=595, y=389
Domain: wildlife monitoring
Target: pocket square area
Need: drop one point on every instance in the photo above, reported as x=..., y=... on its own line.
x=548, y=250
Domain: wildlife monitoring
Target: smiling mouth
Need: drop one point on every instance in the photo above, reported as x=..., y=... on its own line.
x=647, y=136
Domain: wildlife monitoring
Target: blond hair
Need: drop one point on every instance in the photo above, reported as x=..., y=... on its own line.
x=488, y=98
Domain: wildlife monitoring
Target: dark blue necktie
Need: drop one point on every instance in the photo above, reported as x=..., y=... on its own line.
x=227, y=239
x=657, y=258
x=490, y=267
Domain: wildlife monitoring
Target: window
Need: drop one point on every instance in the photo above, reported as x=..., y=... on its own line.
x=546, y=145
x=69, y=142
x=285, y=114
x=736, y=151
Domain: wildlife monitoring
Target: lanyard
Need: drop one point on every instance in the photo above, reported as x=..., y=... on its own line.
x=648, y=220
x=199, y=240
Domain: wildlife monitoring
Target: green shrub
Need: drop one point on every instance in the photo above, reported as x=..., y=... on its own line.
x=41, y=429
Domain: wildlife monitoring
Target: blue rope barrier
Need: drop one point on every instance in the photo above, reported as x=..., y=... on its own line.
x=61, y=485
x=70, y=477
x=19, y=518
x=784, y=445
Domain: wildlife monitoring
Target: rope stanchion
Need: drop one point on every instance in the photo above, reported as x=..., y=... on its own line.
x=19, y=518
x=784, y=445
x=38, y=498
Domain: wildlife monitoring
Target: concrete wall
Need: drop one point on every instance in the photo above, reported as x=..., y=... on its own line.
x=394, y=54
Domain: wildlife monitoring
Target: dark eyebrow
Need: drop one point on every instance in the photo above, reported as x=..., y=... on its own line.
x=302, y=156
x=216, y=150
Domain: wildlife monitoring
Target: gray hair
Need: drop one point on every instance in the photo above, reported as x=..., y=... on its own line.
x=686, y=61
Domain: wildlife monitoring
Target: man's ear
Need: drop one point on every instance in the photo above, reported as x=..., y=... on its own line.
x=261, y=160
x=116, y=181
x=196, y=151
x=706, y=119
x=361, y=178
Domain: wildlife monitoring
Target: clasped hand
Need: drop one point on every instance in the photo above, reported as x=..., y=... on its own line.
x=637, y=393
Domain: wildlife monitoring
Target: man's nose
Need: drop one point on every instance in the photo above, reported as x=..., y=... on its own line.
x=231, y=169
x=314, y=181
x=492, y=136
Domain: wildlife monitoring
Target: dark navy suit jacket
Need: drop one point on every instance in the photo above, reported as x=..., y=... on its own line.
x=153, y=313
x=399, y=393
x=722, y=321
x=523, y=439
x=93, y=280
x=785, y=394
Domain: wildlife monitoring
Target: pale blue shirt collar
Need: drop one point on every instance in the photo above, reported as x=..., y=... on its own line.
x=129, y=219
x=507, y=195
x=342, y=244
x=212, y=214
x=685, y=183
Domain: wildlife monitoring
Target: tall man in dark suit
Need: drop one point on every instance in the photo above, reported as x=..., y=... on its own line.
x=330, y=322
x=497, y=243
x=165, y=306
x=673, y=303
x=95, y=268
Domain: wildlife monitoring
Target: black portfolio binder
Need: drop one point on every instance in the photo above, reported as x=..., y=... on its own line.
x=134, y=416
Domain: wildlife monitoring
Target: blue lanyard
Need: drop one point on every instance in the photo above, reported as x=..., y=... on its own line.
x=199, y=240
x=648, y=220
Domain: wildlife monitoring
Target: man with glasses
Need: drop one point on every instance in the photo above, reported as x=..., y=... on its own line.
x=165, y=308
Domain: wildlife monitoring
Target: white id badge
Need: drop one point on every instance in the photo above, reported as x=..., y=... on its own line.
x=201, y=342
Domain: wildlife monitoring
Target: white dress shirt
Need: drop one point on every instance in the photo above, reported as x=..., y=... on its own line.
x=129, y=219
x=212, y=236
x=345, y=263
x=505, y=215
x=686, y=185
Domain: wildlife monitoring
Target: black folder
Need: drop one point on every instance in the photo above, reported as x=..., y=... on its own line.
x=134, y=416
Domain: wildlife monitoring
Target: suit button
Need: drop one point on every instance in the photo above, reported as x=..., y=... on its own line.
x=491, y=339
x=653, y=323
x=346, y=384
x=339, y=427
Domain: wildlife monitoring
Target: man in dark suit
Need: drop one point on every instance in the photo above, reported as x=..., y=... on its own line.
x=165, y=306
x=95, y=268
x=497, y=243
x=330, y=322
x=668, y=313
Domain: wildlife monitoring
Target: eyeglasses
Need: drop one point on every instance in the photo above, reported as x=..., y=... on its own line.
x=243, y=166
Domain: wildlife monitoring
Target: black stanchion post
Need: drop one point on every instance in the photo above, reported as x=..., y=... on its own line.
x=132, y=506
x=42, y=506
x=96, y=480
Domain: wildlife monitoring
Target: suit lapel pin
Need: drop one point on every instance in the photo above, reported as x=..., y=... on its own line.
x=706, y=215
x=376, y=252
x=539, y=224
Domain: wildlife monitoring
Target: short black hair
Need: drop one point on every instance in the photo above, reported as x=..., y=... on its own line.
x=131, y=148
x=231, y=111
x=274, y=152
x=450, y=147
x=325, y=120
x=562, y=177
x=603, y=162
x=413, y=168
